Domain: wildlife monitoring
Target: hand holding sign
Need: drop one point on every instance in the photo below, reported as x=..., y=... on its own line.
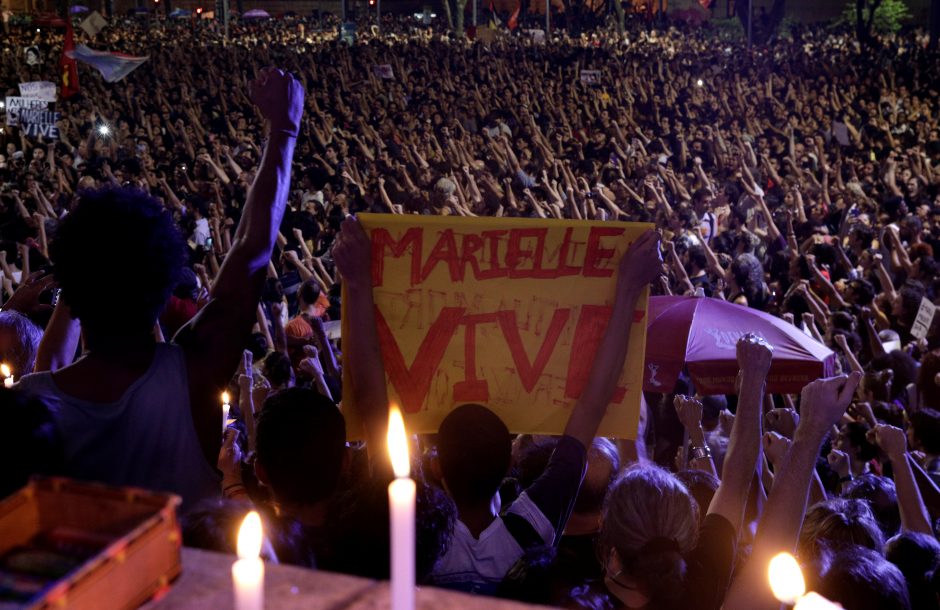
x=642, y=263
x=508, y=313
x=352, y=254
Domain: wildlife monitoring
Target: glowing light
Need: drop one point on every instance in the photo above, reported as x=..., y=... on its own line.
x=699, y=82
x=104, y=130
x=250, y=535
x=786, y=579
x=398, y=444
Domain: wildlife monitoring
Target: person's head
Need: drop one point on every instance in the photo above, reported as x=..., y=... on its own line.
x=650, y=524
x=860, y=292
x=924, y=431
x=278, y=370
x=702, y=485
x=603, y=465
x=19, y=341
x=927, y=381
x=860, y=579
x=474, y=451
x=702, y=200
x=301, y=444
x=117, y=257
x=853, y=439
x=917, y=556
x=697, y=260
x=309, y=293
x=187, y=287
x=746, y=271
x=882, y=499
x=839, y=523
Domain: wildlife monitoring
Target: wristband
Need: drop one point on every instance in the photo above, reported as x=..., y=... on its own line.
x=701, y=453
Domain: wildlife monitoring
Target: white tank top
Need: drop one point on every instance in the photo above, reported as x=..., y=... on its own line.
x=145, y=439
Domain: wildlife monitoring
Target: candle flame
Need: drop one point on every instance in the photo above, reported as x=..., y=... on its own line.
x=250, y=535
x=226, y=398
x=786, y=579
x=398, y=443
x=5, y=370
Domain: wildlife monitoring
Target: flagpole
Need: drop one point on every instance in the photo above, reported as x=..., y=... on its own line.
x=548, y=17
x=225, y=8
x=474, y=13
x=750, y=19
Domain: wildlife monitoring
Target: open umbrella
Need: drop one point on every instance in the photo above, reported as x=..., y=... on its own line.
x=256, y=13
x=700, y=334
x=78, y=8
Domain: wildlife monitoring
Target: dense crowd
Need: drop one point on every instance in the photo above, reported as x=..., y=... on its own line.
x=190, y=230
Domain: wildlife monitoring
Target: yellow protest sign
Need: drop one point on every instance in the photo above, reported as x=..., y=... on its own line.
x=504, y=312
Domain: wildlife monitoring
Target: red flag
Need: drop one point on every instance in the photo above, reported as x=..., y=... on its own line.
x=514, y=18
x=68, y=67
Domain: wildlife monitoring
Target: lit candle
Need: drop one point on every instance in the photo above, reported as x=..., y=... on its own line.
x=7, y=375
x=401, y=499
x=226, y=400
x=248, y=571
x=789, y=587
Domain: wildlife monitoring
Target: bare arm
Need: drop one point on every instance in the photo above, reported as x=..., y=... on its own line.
x=914, y=516
x=352, y=253
x=214, y=339
x=754, y=358
x=59, y=341
x=824, y=402
x=640, y=265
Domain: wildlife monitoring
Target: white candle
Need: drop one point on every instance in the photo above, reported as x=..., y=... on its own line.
x=248, y=571
x=7, y=375
x=789, y=587
x=226, y=406
x=401, y=499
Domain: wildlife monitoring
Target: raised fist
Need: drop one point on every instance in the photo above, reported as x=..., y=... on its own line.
x=280, y=98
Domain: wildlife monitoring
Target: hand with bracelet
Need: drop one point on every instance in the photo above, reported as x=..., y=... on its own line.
x=230, y=463
x=689, y=411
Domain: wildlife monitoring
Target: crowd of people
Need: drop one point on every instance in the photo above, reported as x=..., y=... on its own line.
x=190, y=230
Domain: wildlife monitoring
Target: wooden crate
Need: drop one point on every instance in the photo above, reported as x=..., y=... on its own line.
x=142, y=552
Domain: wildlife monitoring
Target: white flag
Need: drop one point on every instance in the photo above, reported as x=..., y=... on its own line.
x=94, y=23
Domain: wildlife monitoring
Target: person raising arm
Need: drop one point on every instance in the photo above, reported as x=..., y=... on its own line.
x=823, y=403
x=213, y=341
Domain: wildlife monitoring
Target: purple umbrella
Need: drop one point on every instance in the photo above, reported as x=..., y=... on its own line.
x=256, y=13
x=78, y=8
x=700, y=334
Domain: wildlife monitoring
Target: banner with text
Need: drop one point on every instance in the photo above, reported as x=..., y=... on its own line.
x=38, y=90
x=33, y=116
x=16, y=105
x=507, y=313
